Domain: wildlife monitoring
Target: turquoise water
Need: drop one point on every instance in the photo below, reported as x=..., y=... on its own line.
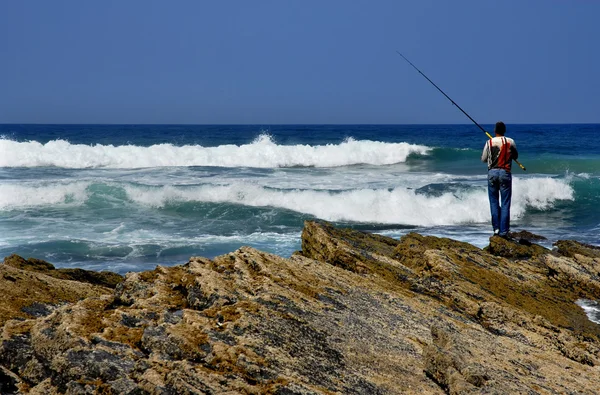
x=128, y=197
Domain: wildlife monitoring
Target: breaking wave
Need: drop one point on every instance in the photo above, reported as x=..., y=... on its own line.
x=398, y=205
x=17, y=196
x=261, y=153
x=591, y=308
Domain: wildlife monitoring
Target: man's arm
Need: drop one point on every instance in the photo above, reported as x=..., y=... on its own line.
x=485, y=153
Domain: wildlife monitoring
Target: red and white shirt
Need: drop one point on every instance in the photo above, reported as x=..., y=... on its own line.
x=499, y=153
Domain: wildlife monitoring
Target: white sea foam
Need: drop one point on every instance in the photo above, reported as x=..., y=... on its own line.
x=18, y=196
x=540, y=193
x=133, y=236
x=591, y=308
x=396, y=206
x=399, y=205
x=261, y=153
x=583, y=176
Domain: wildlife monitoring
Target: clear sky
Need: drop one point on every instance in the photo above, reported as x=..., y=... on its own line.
x=292, y=61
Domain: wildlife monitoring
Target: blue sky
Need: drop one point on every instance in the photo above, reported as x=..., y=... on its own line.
x=272, y=62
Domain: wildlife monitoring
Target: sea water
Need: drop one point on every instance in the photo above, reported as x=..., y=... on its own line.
x=129, y=197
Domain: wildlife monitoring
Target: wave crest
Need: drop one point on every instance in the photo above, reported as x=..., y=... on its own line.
x=385, y=206
x=263, y=152
x=13, y=196
x=399, y=205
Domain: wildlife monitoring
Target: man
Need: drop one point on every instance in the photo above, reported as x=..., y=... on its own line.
x=499, y=153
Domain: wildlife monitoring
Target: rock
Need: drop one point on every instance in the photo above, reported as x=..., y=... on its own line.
x=526, y=235
x=447, y=363
x=31, y=264
x=9, y=382
x=514, y=248
x=351, y=313
x=34, y=288
x=571, y=248
x=104, y=278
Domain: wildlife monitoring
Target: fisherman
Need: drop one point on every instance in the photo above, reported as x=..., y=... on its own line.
x=499, y=152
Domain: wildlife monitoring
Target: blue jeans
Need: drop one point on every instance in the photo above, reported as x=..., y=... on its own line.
x=500, y=183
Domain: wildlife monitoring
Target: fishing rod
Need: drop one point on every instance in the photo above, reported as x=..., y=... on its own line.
x=453, y=102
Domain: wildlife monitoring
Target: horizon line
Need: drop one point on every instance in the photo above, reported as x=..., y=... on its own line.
x=290, y=124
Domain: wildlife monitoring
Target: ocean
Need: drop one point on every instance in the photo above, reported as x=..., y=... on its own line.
x=128, y=197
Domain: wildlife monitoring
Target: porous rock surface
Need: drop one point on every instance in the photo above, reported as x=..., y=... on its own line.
x=352, y=313
x=33, y=287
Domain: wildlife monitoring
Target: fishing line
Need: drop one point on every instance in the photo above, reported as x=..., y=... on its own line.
x=453, y=102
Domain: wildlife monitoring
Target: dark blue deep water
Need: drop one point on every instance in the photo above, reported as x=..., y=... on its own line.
x=128, y=197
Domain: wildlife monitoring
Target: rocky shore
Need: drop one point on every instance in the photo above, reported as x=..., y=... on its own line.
x=352, y=313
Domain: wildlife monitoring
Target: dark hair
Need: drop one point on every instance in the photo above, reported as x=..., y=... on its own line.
x=500, y=128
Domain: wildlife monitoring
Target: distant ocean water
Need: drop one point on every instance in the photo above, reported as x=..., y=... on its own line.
x=128, y=197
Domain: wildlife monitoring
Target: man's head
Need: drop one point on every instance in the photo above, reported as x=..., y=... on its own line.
x=500, y=129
